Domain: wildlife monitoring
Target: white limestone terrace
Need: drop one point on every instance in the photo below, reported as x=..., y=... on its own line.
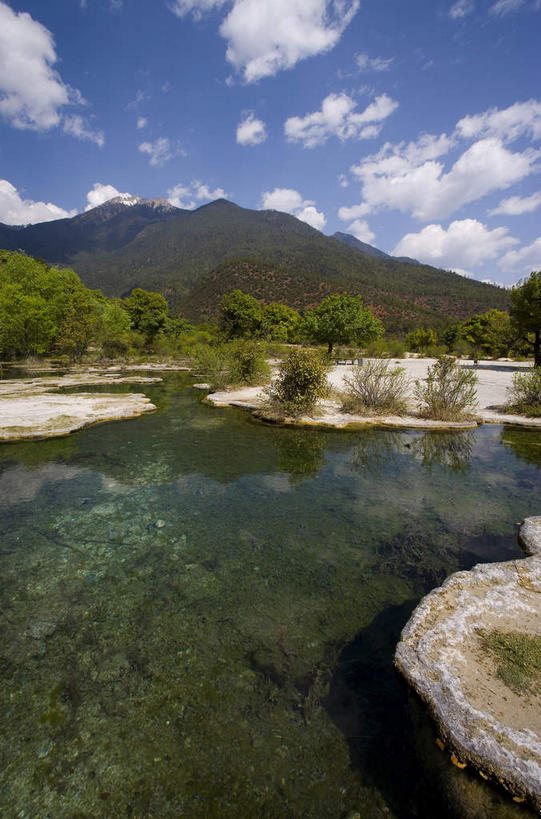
x=481, y=721
x=33, y=408
x=494, y=380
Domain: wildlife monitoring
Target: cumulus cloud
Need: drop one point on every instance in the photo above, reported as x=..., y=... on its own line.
x=405, y=178
x=291, y=201
x=520, y=119
x=366, y=63
x=265, y=37
x=191, y=196
x=32, y=93
x=142, y=122
x=354, y=212
x=338, y=117
x=466, y=243
x=523, y=260
x=516, y=205
x=101, y=193
x=361, y=230
x=251, y=131
x=461, y=9
x=160, y=151
x=14, y=210
x=79, y=128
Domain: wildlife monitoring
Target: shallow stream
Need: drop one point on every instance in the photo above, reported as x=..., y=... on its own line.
x=199, y=612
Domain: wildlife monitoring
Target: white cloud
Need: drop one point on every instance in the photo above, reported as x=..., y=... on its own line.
x=32, y=93
x=160, y=151
x=354, y=212
x=520, y=119
x=400, y=177
x=142, y=122
x=265, y=37
x=523, y=260
x=14, y=210
x=502, y=7
x=251, y=131
x=101, y=193
x=76, y=126
x=461, y=9
x=343, y=180
x=291, y=201
x=366, y=63
x=516, y=205
x=338, y=117
x=192, y=195
x=361, y=230
x=466, y=243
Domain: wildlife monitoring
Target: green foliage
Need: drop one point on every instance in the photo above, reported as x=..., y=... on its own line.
x=240, y=315
x=525, y=393
x=247, y=363
x=301, y=383
x=421, y=339
x=526, y=312
x=450, y=337
x=147, y=311
x=280, y=323
x=386, y=348
x=518, y=656
x=341, y=319
x=449, y=391
x=43, y=309
x=489, y=334
x=376, y=387
x=237, y=362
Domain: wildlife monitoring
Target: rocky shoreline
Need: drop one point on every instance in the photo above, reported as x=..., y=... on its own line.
x=481, y=721
x=32, y=409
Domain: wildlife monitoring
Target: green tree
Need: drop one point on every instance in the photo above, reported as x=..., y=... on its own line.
x=489, y=333
x=342, y=319
x=147, y=311
x=280, y=323
x=79, y=326
x=526, y=312
x=421, y=339
x=240, y=315
x=451, y=336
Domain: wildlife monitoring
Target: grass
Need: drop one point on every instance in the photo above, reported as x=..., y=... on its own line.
x=518, y=657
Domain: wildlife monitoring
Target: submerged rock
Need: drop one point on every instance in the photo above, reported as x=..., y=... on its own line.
x=483, y=719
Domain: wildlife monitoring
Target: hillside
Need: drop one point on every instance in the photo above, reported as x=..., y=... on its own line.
x=185, y=255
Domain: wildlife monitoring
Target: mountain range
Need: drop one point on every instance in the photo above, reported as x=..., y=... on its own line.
x=193, y=257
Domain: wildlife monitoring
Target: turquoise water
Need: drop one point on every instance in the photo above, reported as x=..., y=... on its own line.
x=199, y=612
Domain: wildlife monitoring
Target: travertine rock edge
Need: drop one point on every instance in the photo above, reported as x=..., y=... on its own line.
x=435, y=656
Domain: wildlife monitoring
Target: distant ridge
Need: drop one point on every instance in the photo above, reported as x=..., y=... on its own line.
x=194, y=256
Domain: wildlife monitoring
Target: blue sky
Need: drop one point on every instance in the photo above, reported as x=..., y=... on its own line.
x=414, y=126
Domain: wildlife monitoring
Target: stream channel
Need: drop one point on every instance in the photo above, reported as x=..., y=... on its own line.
x=199, y=612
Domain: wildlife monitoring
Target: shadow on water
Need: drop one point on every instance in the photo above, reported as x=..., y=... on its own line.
x=391, y=738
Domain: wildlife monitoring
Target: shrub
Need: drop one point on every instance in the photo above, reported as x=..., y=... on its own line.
x=449, y=391
x=376, y=387
x=301, y=383
x=214, y=364
x=238, y=362
x=247, y=363
x=525, y=394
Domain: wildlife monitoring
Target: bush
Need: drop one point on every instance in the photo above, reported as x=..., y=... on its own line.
x=449, y=391
x=301, y=383
x=235, y=363
x=214, y=364
x=525, y=394
x=247, y=363
x=376, y=387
